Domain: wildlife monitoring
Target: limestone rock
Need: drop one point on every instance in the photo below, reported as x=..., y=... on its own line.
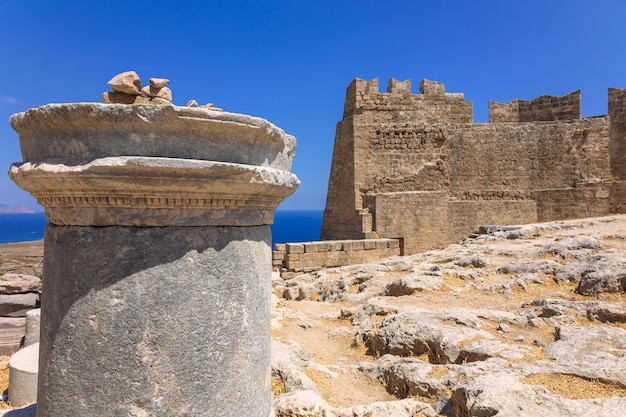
x=415, y=282
x=303, y=403
x=23, y=373
x=153, y=92
x=16, y=305
x=532, y=267
x=158, y=83
x=502, y=394
x=592, y=351
x=126, y=82
x=310, y=404
x=160, y=101
x=287, y=362
x=123, y=98
x=480, y=350
x=12, y=330
x=19, y=283
x=602, y=281
x=607, y=314
x=407, y=407
x=420, y=332
x=33, y=326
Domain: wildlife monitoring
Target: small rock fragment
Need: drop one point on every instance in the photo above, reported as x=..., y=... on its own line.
x=127, y=82
x=192, y=103
x=19, y=283
x=121, y=98
x=504, y=328
x=161, y=101
x=159, y=83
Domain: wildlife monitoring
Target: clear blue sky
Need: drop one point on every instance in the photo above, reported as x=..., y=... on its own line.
x=291, y=61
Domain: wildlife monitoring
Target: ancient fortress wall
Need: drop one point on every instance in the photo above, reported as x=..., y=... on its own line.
x=414, y=167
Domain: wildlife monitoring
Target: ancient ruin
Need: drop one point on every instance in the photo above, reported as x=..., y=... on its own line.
x=157, y=256
x=414, y=167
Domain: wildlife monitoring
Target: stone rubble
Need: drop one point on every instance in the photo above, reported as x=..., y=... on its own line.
x=19, y=293
x=518, y=322
x=127, y=89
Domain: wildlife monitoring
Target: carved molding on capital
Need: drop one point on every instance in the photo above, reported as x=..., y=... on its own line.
x=144, y=191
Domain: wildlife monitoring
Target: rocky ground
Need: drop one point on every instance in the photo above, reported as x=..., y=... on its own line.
x=527, y=322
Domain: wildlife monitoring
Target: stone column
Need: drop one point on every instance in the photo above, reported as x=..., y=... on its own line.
x=157, y=262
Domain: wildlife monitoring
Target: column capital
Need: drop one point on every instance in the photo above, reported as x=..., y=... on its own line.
x=91, y=164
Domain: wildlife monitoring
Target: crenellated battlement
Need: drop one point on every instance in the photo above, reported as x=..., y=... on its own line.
x=432, y=105
x=542, y=109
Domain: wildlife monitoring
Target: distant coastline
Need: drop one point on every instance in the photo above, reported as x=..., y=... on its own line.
x=6, y=209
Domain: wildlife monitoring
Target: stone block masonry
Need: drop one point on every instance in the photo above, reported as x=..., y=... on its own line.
x=294, y=258
x=416, y=167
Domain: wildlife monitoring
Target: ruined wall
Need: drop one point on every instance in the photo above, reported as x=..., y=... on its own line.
x=617, y=137
x=542, y=109
x=427, y=175
x=292, y=258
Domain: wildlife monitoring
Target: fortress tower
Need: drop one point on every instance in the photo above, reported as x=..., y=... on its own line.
x=415, y=167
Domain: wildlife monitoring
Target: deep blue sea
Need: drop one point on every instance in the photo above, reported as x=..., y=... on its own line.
x=289, y=226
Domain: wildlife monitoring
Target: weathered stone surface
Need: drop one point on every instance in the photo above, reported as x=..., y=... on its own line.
x=123, y=98
x=309, y=404
x=218, y=279
x=23, y=371
x=188, y=166
x=302, y=403
x=16, y=305
x=502, y=394
x=412, y=334
x=287, y=362
x=418, y=169
x=99, y=131
x=602, y=281
x=186, y=192
x=12, y=331
x=159, y=82
x=506, y=338
x=19, y=283
x=33, y=327
x=593, y=351
x=126, y=82
x=154, y=92
x=415, y=282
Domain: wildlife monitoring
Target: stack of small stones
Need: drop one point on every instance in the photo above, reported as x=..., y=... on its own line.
x=18, y=294
x=127, y=90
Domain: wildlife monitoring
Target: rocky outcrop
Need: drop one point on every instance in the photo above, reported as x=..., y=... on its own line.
x=518, y=322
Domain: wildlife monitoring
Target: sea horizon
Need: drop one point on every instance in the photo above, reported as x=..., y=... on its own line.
x=290, y=226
